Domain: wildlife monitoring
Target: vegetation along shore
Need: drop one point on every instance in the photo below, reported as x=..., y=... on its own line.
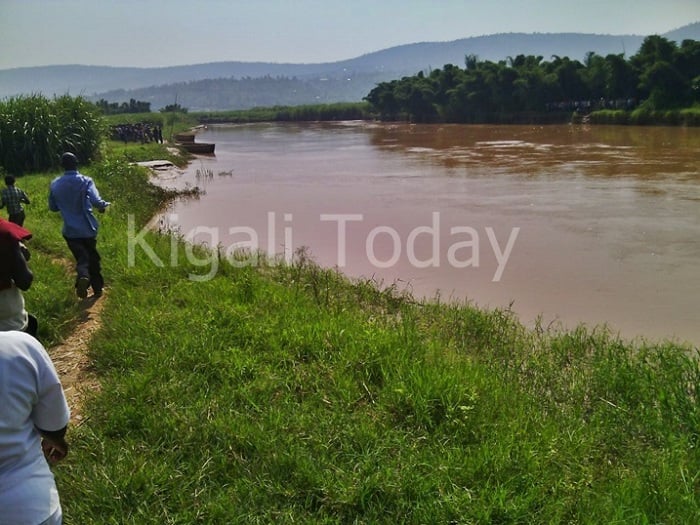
x=658, y=85
x=286, y=393
x=661, y=77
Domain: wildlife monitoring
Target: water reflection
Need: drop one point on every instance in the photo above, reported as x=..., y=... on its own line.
x=606, y=216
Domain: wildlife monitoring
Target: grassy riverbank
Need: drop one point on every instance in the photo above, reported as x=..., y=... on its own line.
x=310, y=112
x=173, y=123
x=642, y=117
x=287, y=394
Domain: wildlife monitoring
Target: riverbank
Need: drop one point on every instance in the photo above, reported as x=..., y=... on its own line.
x=592, y=212
x=361, y=111
x=640, y=117
x=286, y=393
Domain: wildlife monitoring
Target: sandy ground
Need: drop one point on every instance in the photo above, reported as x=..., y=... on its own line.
x=71, y=358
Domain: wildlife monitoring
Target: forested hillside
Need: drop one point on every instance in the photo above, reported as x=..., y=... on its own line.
x=241, y=85
x=661, y=75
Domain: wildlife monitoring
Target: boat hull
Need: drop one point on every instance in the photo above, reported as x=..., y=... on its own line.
x=197, y=147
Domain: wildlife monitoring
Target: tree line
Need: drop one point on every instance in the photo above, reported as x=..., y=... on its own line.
x=661, y=75
x=115, y=108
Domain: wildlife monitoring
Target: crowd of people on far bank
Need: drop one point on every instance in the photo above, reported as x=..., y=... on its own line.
x=35, y=414
x=142, y=132
x=586, y=106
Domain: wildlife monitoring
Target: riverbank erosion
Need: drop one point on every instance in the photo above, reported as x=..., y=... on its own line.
x=286, y=392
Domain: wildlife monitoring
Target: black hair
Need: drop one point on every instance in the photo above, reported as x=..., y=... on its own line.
x=69, y=161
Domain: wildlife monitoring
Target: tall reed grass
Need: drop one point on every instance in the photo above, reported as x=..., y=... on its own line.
x=35, y=131
x=309, y=112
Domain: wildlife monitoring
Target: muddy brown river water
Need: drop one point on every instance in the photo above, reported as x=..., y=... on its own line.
x=571, y=224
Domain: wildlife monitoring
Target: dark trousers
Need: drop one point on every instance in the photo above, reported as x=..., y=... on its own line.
x=87, y=261
x=17, y=218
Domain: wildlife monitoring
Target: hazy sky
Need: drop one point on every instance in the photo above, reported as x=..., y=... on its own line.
x=174, y=32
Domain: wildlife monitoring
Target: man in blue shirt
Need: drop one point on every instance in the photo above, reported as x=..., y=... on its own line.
x=75, y=195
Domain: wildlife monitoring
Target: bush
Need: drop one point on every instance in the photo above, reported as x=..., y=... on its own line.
x=610, y=116
x=691, y=116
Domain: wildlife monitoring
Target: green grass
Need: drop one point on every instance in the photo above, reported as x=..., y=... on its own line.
x=308, y=112
x=643, y=116
x=288, y=394
x=138, y=152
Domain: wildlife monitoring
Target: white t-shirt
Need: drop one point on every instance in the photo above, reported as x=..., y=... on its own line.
x=30, y=396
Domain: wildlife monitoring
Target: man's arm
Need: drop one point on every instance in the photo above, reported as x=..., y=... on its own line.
x=52, y=202
x=21, y=274
x=95, y=199
x=50, y=413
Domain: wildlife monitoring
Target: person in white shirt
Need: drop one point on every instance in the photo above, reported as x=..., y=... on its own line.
x=33, y=422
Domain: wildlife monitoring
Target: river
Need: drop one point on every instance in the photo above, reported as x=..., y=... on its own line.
x=568, y=224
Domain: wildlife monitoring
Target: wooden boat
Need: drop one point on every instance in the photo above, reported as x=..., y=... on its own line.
x=197, y=147
x=184, y=137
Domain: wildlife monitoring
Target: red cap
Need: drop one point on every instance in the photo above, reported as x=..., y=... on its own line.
x=9, y=231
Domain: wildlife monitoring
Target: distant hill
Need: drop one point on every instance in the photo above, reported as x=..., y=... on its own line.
x=689, y=32
x=240, y=85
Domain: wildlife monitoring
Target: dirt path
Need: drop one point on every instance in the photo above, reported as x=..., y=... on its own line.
x=71, y=358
